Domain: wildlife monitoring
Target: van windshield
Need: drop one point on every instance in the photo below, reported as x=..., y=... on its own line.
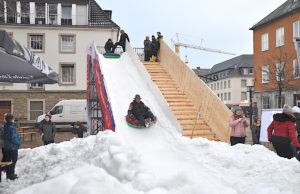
x=56, y=110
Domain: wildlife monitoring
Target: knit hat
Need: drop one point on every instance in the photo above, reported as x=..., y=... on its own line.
x=48, y=115
x=288, y=110
x=296, y=109
x=235, y=108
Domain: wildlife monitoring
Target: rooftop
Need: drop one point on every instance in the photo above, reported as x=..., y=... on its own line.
x=288, y=7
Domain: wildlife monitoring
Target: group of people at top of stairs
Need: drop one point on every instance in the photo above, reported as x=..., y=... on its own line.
x=283, y=132
x=110, y=47
x=151, y=47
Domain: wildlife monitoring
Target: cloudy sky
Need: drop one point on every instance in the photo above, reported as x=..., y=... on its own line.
x=217, y=24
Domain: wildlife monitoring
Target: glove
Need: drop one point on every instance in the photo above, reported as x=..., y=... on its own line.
x=131, y=116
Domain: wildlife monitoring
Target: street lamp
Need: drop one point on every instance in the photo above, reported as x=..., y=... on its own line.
x=250, y=89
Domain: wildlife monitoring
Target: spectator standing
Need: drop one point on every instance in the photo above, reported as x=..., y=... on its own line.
x=109, y=45
x=122, y=41
x=281, y=132
x=147, y=49
x=48, y=130
x=238, y=124
x=80, y=129
x=255, y=128
x=153, y=48
x=2, y=140
x=11, y=145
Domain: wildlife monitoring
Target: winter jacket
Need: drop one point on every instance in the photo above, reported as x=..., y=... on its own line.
x=137, y=109
x=80, y=131
x=11, y=137
x=147, y=45
x=297, y=115
x=109, y=46
x=123, y=38
x=158, y=42
x=283, y=125
x=48, y=130
x=238, y=129
x=1, y=136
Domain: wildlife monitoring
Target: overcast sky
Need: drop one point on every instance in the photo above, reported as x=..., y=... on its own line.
x=217, y=24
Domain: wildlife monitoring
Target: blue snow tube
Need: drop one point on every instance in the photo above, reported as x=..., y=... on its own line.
x=111, y=55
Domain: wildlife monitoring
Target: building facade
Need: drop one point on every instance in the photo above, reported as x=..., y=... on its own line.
x=230, y=80
x=276, y=68
x=59, y=31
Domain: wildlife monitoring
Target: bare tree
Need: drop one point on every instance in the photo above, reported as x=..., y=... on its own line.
x=280, y=72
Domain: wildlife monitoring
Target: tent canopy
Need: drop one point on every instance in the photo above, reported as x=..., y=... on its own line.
x=20, y=65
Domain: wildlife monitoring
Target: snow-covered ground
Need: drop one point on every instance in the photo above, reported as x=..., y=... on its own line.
x=152, y=161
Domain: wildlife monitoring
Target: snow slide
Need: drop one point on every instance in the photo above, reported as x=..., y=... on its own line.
x=157, y=160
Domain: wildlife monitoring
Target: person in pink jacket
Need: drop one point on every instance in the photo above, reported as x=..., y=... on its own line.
x=238, y=124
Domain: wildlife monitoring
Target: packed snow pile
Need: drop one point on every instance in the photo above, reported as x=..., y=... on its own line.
x=157, y=160
x=106, y=163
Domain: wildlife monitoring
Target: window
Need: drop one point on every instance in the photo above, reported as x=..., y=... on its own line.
x=229, y=83
x=243, y=95
x=36, y=108
x=212, y=86
x=282, y=101
x=296, y=29
x=52, y=14
x=11, y=11
x=67, y=43
x=36, y=86
x=265, y=74
x=225, y=96
x=67, y=72
x=229, y=96
x=1, y=12
x=215, y=86
x=222, y=96
x=36, y=42
x=221, y=85
x=40, y=13
x=243, y=83
x=265, y=101
x=279, y=72
x=279, y=37
x=225, y=84
x=250, y=71
x=56, y=110
x=265, y=42
x=66, y=18
x=218, y=86
x=81, y=12
x=296, y=69
x=25, y=13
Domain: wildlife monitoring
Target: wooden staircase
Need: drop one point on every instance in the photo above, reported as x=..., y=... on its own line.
x=185, y=112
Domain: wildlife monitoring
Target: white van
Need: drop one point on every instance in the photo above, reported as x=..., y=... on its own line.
x=66, y=112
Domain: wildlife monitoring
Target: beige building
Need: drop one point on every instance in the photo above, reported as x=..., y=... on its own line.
x=230, y=79
x=59, y=32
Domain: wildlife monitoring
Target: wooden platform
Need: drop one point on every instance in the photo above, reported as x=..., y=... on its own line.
x=184, y=110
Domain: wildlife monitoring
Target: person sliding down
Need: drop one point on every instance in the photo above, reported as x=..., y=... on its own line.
x=138, y=110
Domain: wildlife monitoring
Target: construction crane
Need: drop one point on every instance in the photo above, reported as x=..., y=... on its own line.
x=178, y=44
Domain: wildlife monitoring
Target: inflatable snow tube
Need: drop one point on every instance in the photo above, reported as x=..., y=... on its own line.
x=134, y=123
x=111, y=55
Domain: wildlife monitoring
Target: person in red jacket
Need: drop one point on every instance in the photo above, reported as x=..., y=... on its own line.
x=281, y=132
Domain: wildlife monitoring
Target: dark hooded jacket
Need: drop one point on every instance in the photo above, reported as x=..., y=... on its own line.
x=283, y=125
x=137, y=109
x=48, y=129
x=123, y=38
